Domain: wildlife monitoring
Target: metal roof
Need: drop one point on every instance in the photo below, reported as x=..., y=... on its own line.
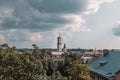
x=109, y=69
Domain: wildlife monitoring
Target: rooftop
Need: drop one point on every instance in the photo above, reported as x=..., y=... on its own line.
x=57, y=53
x=106, y=65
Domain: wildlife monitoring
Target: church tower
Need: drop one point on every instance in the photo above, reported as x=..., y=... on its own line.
x=64, y=48
x=59, y=43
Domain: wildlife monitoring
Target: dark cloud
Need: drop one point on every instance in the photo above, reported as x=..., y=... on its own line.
x=39, y=15
x=116, y=30
x=59, y=6
x=22, y=20
x=16, y=36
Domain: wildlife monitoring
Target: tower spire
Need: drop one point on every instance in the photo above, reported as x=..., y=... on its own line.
x=64, y=45
x=64, y=48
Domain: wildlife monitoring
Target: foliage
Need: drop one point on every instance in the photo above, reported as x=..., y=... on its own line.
x=75, y=68
x=14, y=66
x=39, y=66
x=78, y=70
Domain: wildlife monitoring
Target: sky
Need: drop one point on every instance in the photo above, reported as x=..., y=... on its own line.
x=80, y=23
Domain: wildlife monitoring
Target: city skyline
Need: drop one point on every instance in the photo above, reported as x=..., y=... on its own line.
x=81, y=23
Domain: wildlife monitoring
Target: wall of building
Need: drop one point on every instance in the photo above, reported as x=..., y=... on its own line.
x=117, y=76
x=95, y=76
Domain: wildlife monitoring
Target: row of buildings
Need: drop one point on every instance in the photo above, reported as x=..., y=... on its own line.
x=103, y=65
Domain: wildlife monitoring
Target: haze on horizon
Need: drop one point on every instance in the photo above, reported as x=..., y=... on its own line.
x=81, y=23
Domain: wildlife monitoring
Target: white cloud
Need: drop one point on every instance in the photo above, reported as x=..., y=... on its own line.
x=36, y=37
x=77, y=22
x=118, y=22
x=12, y=30
x=94, y=5
x=2, y=39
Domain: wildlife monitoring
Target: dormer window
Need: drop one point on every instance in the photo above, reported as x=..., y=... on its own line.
x=102, y=63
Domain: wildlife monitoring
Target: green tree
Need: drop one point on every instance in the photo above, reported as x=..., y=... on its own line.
x=78, y=71
x=39, y=66
x=15, y=66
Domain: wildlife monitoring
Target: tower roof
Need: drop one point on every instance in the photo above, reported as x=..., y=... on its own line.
x=64, y=46
x=59, y=37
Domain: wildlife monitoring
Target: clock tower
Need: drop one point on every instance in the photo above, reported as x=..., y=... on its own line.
x=59, y=43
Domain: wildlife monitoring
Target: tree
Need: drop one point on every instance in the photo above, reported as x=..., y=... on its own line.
x=39, y=66
x=74, y=68
x=36, y=51
x=15, y=66
x=78, y=71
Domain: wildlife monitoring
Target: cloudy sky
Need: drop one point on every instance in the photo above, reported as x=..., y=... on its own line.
x=81, y=23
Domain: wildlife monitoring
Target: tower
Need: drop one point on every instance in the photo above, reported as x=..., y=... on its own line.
x=64, y=48
x=59, y=43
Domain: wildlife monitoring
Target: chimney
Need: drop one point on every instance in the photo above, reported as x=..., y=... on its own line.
x=102, y=63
